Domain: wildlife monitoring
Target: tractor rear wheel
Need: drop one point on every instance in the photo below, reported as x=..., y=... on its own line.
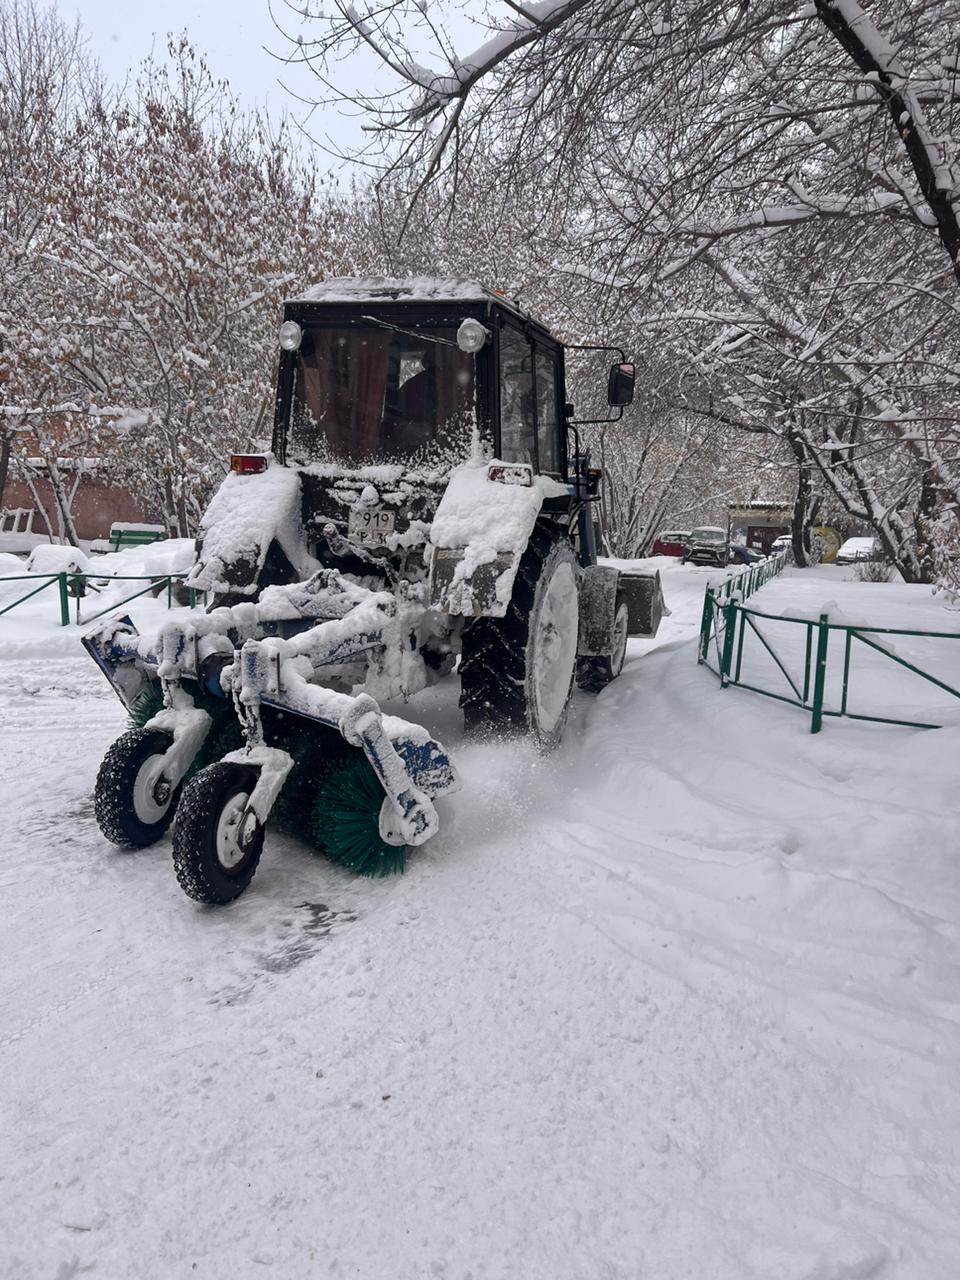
x=133, y=802
x=516, y=672
x=217, y=841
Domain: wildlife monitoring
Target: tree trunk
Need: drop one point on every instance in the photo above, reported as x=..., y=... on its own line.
x=38, y=502
x=169, y=506
x=5, y=447
x=931, y=502
x=806, y=504
x=63, y=503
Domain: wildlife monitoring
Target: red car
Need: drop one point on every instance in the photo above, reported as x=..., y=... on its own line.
x=670, y=542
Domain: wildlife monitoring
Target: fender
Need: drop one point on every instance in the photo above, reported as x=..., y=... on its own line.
x=480, y=532
x=252, y=534
x=598, y=610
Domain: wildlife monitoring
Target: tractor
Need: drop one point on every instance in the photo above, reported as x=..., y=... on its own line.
x=426, y=508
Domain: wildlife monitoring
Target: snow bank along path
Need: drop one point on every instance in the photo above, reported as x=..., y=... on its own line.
x=679, y=1002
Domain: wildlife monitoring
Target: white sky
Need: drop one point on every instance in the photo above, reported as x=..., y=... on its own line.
x=237, y=38
x=233, y=35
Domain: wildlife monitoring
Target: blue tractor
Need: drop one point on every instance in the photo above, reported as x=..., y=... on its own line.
x=426, y=509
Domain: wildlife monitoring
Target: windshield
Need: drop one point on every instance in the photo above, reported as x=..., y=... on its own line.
x=708, y=535
x=379, y=393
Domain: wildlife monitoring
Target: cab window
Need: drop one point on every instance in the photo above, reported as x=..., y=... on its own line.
x=517, y=422
x=548, y=425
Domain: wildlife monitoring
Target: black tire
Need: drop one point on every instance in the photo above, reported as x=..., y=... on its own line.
x=499, y=686
x=132, y=802
x=203, y=843
x=596, y=672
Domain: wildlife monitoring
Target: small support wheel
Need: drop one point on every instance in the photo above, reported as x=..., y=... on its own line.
x=595, y=673
x=217, y=841
x=133, y=800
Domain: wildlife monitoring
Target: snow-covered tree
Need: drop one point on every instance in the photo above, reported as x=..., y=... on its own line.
x=48, y=93
x=189, y=230
x=771, y=192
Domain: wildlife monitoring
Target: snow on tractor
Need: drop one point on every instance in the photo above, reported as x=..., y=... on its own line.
x=421, y=510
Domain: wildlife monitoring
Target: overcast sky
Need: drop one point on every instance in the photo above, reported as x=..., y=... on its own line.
x=243, y=46
x=233, y=35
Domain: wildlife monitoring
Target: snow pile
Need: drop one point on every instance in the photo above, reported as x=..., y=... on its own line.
x=168, y=555
x=11, y=564
x=48, y=558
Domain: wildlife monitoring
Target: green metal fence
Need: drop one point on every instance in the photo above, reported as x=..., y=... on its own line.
x=728, y=622
x=75, y=585
x=740, y=585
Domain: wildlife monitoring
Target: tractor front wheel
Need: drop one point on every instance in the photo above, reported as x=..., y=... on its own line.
x=217, y=841
x=133, y=801
x=516, y=672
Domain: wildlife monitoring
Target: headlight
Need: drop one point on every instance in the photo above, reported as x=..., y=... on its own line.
x=472, y=336
x=291, y=335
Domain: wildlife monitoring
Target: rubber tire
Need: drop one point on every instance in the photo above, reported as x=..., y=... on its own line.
x=596, y=672
x=113, y=793
x=201, y=874
x=496, y=689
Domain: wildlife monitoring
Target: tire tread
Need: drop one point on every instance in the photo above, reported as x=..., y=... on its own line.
x=194, y=836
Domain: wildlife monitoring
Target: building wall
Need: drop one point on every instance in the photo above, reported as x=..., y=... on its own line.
x=95, y=507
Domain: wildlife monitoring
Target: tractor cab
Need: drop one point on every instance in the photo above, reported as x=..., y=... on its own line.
x=412, y=374
x=385, y=388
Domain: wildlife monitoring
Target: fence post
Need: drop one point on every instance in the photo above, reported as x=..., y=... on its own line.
x=169, y=593
x=706, y=624
x=64, y=600
x=820, y=674
x=730, y=626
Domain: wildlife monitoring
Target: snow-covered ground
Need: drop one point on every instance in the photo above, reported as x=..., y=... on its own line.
x=679, y=1002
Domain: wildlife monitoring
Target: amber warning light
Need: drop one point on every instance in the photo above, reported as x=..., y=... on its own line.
x=248, y=464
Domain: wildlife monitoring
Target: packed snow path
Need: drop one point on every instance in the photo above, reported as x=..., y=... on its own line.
x=678, y=1003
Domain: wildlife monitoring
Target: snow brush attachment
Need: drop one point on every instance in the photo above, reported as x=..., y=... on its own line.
x=225, y=733
x=147, y=704
x=346, y=818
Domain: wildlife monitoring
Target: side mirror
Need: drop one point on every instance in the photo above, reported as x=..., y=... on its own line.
x=620, y=385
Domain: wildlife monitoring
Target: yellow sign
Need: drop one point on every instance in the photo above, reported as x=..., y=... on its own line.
x=831, y=540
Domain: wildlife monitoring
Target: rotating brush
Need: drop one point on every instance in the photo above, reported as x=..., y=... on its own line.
x=346, y=818
x=147, y=704
x=225, y=734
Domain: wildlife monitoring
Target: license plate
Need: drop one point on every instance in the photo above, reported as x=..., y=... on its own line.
x=370, y=524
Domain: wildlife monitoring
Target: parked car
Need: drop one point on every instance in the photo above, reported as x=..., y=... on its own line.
x=670, y=542
x=783, y=543
x=740, y=553
x=707, y=544
x=855, y=549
